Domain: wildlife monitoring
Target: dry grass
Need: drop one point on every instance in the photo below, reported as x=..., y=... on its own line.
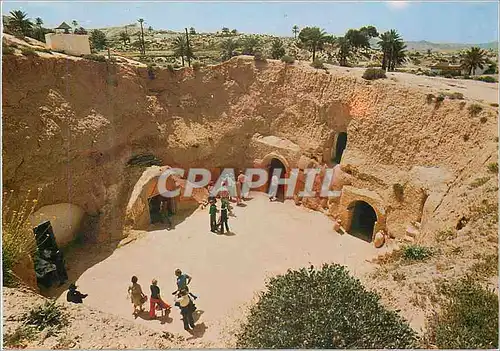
x=18, y=240
x=478, y=182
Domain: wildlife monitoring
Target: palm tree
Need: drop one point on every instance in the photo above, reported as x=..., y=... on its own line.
x=143, y=46
x=472, y=59
x=181, y=48
x=393, y=49
x=313, y=39
x=20, y=23
x=295, y=31
x=38, y=22
x=74, y=23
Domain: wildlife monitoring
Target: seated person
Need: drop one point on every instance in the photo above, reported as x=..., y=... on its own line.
x=74, y=295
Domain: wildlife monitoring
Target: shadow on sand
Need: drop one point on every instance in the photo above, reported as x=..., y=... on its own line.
x=198, y=331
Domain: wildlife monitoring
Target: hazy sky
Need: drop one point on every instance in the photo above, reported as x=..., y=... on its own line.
x=464, y=22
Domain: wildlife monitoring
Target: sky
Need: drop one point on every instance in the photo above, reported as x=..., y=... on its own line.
x=435, y=21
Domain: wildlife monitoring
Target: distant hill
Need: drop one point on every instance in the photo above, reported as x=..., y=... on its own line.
x=424, y=45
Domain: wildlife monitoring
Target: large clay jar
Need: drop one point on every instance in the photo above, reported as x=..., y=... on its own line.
x=379, y=239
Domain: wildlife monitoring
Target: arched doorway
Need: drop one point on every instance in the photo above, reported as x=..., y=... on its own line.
x=340, y=145
x=277, y=164
x=363, y=220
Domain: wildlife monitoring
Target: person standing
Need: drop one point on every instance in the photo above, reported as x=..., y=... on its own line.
x=182, y=282
x=223, y=218
x=273, y=189
x=241, y=183
x=137, y=297
x=156, y=300
x=213, y=216
x=187, y=308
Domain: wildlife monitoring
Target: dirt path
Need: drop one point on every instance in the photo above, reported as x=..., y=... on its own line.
x=268, y=238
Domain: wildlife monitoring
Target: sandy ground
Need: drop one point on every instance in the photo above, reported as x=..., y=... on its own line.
x=267, y=239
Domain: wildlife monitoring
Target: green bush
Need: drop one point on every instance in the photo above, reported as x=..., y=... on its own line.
x=28, y=52
x=468, y=318
x=259, y=57
x=493, y=167
x=325, y=308
x=196, y=65
x=374, y=73
x=18, y=336
x=416, y=253
x=440, y=97
x=7, y=50
x=474, y=109
x=318, y=64
x=47, y=315
x=95, y=57
x=288, y=59
x=487, y=79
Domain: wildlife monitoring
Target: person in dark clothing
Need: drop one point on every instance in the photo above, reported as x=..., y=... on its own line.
x=156, y=300
x=187, y=307
x=213, y=216
x=223, y=218
x=74, y=295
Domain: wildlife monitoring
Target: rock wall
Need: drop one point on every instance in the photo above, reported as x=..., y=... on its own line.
x=70, y=127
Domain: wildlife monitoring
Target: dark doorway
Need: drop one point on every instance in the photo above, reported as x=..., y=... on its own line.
x=277, y=164
x=340, y=146
x=162, y=209
x=363, y=220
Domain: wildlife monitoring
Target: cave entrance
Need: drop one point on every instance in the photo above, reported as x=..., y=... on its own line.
x=278, y=165
x=363, y=220
x=340, y=145
x=161, y=209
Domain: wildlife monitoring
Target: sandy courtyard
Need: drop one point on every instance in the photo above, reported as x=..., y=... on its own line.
x=267, y=238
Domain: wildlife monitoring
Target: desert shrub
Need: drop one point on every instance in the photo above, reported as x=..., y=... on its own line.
x=196, y=65
x=95, y=57
x=18, y=336
x=7, y=50
x=474, y=109
x=318, y=64
x=322, y=308
x=456, y=96
x=146, y=160
x=494, y=104
x=416, y=252
x=374, y=73
x=398, y=191
x=429, y=98
x=478, y=182
x=259, y=57
x=170, y=68
x=288, y=59
x=47, y=315
x=440, y=97
x=28, y=52
x=483, y=119
x=493, y=167
x=486, y=267
x=445, y=234
x=468, y=318
x=487, y=79
x=18, y=241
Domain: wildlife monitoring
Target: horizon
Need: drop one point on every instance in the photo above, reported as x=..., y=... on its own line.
x=434, y=22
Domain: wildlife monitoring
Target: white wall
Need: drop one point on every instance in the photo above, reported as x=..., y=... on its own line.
x=73, y=44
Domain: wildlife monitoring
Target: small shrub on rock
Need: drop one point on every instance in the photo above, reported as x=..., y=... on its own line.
x=259, y=57
x=7, y=50
x=28, y=52
x=48, y=315
x=474, y=109
x=468, y=318
x=318, y=64
x=288, y=59
x=374, y=73
x=196, y=65
x=440, y=97
x=322, y=308
x=416, y=253
x=94, y=57
x=456, y=96
x=493, y=167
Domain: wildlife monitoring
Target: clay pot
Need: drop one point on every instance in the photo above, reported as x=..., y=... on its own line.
x=379, y=239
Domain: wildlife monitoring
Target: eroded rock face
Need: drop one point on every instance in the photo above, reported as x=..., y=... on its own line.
x=71, y=126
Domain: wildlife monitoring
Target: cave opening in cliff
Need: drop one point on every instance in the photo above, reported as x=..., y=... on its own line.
x=340, y=146
x=278, y=165
x=161, y=209
x=363, y=221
